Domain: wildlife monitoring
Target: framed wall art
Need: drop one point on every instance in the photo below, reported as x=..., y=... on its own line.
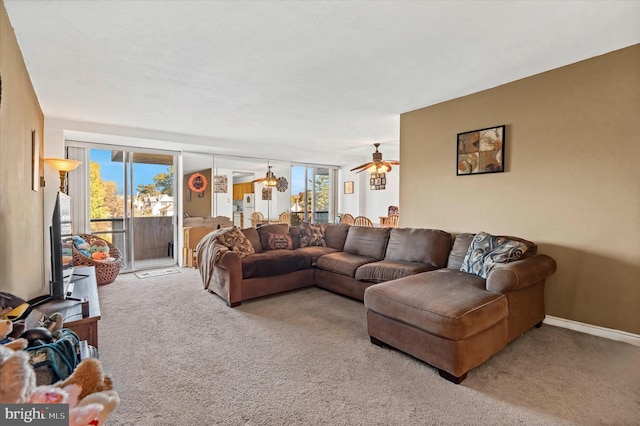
x=348, y=187
x=219, y=184
x=35, y=161
x=480, y=151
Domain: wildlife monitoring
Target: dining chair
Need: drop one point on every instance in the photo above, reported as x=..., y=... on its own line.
x=347, y=218
x=256, y=218
x=362, y=221
x=285, y=217
x=392, y=221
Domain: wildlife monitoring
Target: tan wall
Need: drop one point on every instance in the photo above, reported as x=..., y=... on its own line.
x=572, y=180
x=21, y=209
x=197, y=206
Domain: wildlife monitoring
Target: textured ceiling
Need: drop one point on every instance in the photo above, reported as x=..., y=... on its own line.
x=310, y=81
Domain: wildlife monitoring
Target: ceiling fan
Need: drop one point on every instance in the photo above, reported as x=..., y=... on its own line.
x=377, y=165
x=270, y=180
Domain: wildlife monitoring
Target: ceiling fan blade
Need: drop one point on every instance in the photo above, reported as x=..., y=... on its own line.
x=362, y=167
x=394, y=162
x=259, y=180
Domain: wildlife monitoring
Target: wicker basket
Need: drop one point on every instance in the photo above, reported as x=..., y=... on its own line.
x=106, y=272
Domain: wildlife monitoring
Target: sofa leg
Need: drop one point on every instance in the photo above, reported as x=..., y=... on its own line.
x=450, y=377
x=538, y=325
x=378, y=342
x=234, y=304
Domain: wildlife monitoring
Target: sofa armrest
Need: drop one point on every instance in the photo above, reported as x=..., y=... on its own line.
x=521, y=273
x=227, y=278
x=220, y=269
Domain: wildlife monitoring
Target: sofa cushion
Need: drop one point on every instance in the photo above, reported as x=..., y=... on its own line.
x=274, y=228
x=279, y=241
x=428, y=246
x=387, y=270
x=335, y=235
x=487, y=250
x=294, y=233
x=343, y=262
x=367, y=241
x=445, y=302
x=236, y=241
x=316, y=251
x=459, y=250
x=253, y=236
x=274, y=262
x=311, y=234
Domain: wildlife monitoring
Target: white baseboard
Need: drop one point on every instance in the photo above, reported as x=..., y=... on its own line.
x=607, y=333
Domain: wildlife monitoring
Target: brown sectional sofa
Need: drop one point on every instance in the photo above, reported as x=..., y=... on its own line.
x=417, y=298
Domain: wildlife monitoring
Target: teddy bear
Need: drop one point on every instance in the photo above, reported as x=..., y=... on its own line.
x=89, y=376
x=17, y=378
x=92, y=410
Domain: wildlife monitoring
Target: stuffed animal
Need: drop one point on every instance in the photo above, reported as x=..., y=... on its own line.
x=81, y=245
x=94, y=411
x=6, y=327
x=99, y=246
x=89, y=376
x=17, y=378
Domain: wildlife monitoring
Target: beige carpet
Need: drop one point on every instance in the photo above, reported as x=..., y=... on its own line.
x=180, y=356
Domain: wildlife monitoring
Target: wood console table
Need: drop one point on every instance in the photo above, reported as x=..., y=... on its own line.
x=84, y=286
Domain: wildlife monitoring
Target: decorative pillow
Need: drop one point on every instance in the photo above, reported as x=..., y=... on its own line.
x=279, y=241
x=311, y=235
x=236, y=241
x=486, y=250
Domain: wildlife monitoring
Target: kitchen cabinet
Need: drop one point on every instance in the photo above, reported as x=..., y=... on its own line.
x=239, y=189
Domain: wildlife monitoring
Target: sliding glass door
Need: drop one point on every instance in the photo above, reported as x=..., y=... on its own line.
x=131, y=204
x=313, y=196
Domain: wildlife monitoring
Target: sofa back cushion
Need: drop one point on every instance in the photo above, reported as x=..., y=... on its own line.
x=253, y=236
x=459, y=250
x=428, y=246
x=294, y=233
x=463, y=241
x=335, y=235
x=274, y=228
x=367, y=241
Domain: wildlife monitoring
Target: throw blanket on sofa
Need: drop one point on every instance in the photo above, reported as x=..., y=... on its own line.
x=208, y=253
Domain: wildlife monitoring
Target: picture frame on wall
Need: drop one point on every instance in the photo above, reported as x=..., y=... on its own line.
x=35, y=161
x=480, y=151
x=348, y=187
x=188, y=195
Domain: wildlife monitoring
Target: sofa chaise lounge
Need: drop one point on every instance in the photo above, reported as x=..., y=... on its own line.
x=417, y=297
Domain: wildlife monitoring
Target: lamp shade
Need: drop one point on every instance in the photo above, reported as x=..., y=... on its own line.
x=62, y=164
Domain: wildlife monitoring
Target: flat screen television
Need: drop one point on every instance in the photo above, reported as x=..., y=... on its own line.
x=61, y=233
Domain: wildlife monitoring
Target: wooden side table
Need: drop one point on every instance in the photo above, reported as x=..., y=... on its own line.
x=84, y=286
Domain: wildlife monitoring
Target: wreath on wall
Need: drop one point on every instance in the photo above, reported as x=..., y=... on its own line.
x=197, y=182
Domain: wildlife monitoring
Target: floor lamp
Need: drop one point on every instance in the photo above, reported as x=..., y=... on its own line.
x=63, y=166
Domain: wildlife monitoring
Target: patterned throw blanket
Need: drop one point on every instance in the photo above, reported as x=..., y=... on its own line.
x=208, y=251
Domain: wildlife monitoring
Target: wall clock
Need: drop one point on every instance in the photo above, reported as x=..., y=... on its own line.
x=197, y=182
x=281, y=184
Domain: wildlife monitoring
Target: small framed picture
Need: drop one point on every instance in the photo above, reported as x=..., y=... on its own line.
x=188, y=195
x=348, y=187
